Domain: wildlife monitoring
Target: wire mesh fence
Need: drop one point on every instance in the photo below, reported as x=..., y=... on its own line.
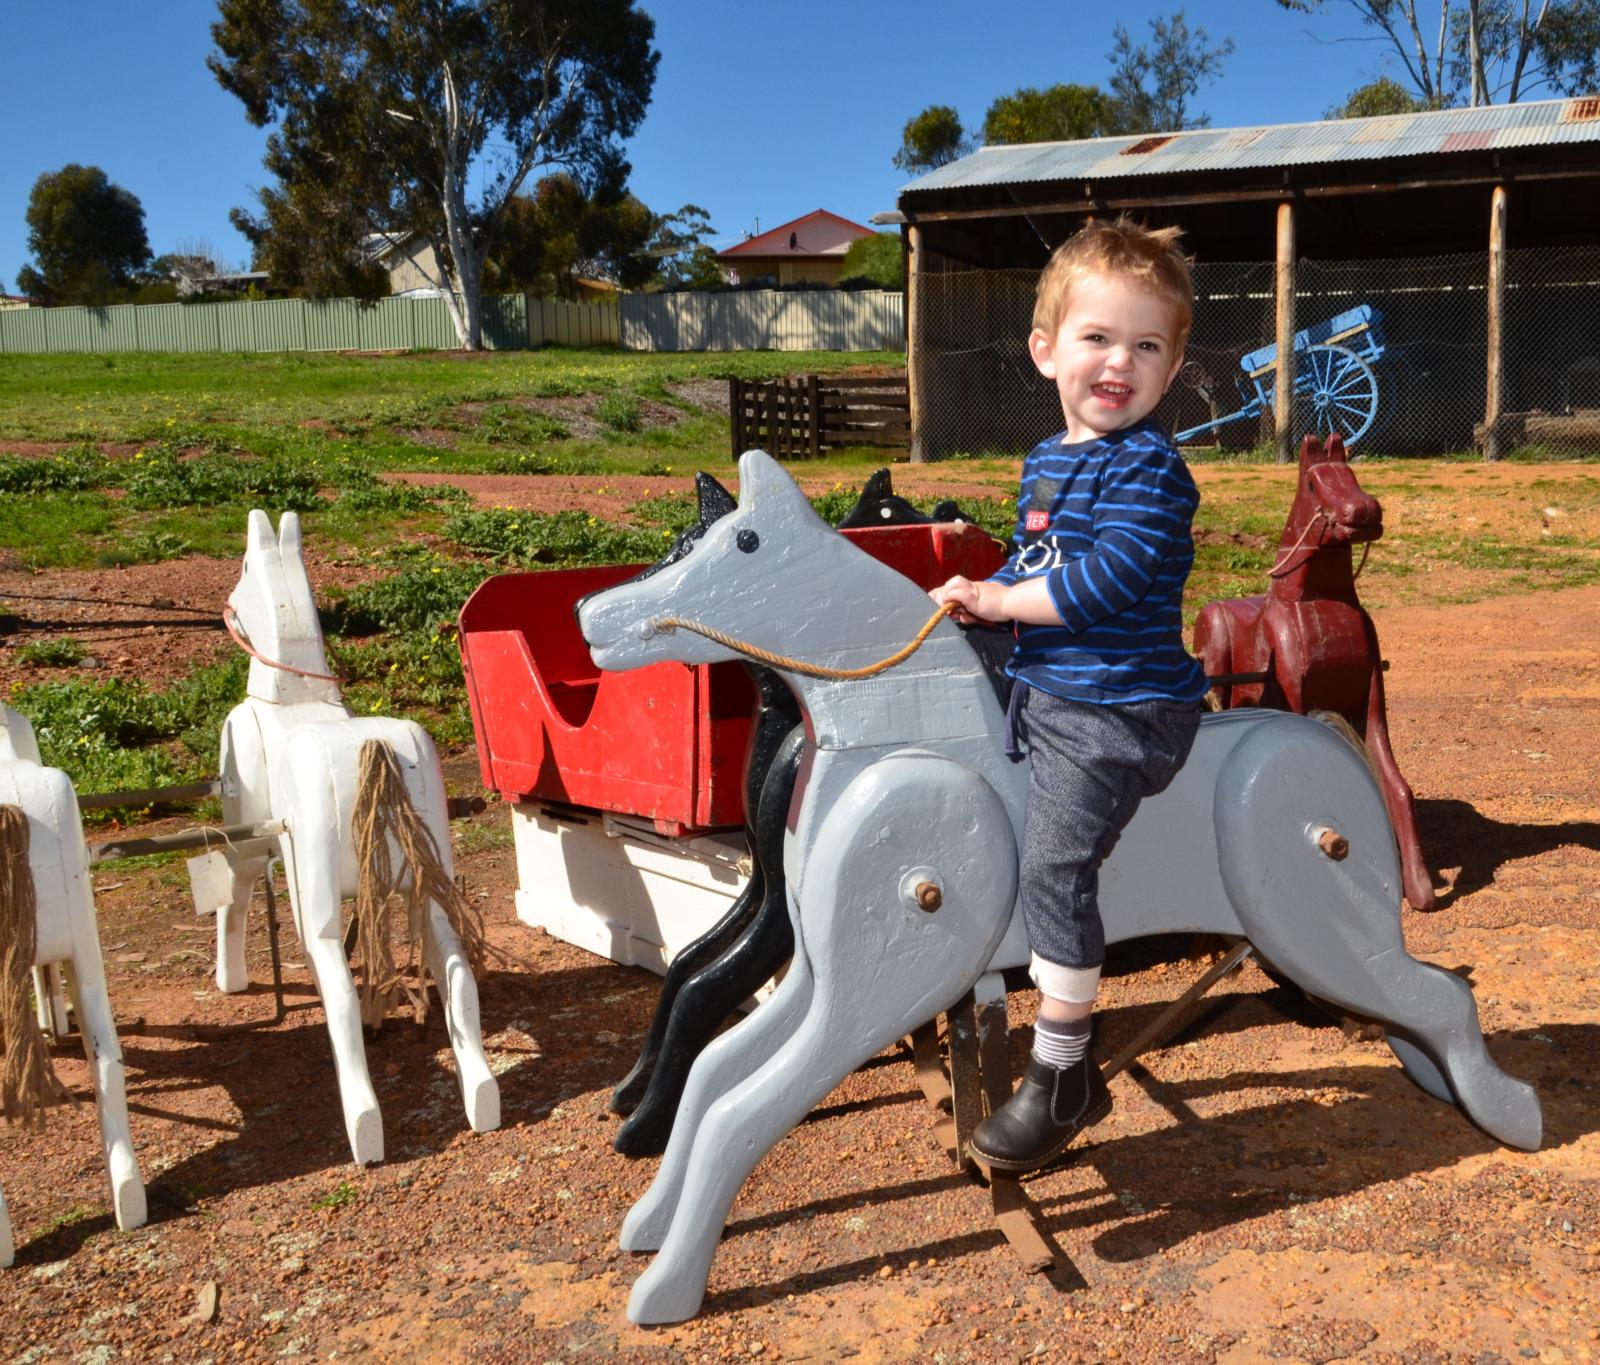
x=1391, y=353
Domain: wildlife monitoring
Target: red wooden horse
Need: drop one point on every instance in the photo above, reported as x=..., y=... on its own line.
x=1311, y=637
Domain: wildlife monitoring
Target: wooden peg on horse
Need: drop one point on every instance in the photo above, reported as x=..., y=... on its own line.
x=1313, y=639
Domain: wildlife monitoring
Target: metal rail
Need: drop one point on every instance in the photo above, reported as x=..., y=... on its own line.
x=211, y=836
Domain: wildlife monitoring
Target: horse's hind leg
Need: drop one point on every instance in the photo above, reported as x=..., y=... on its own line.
x=1332, y=924
x=8, y=1250
x=312, y=867
x=447, y=960
x=725, y=1064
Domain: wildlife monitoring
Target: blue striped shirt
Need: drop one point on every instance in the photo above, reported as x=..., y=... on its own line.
x=1108, y=523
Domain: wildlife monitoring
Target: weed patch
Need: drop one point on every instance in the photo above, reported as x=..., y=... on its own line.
x=76, y=470
x=51, y=654
x=560, y=538
x=619, y=411
x=112, y=735
x=421, y=597
x=160, y=479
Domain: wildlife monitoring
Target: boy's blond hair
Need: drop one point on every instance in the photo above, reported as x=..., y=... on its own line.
x=1122, y=249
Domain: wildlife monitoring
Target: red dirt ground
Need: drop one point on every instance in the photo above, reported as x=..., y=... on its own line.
x=1267, y=1189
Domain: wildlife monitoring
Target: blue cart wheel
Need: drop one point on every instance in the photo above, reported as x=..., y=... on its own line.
x=1340, y=390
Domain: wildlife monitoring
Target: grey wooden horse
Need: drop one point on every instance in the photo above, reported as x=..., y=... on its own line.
x=901, y=860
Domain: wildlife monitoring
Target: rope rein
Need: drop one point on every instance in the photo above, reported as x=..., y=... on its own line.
x=783, y=661
x=231, y=620
x=1278, y=570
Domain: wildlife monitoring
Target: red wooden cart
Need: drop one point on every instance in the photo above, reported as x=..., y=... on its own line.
x=627, y=788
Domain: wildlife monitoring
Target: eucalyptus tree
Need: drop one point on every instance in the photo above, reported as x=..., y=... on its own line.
x=385, y=116
x=1476, y=52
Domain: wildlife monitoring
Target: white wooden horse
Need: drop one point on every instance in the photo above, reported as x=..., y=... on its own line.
x=66, y=933
x=290, y=752
x=902, y=866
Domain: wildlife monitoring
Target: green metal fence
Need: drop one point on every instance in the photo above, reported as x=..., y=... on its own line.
x=821, y=320
x=765, y=319
x=510, y=322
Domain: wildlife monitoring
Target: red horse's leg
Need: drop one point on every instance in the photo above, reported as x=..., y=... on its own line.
x=1414, y=874
x=1227, y=640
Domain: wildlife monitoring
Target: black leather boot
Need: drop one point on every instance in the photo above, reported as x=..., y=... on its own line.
x=1051, y=1107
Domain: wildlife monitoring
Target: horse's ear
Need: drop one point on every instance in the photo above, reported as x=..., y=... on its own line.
x=289, y=535
x=258, y=536
x=878, y=487
x=715, y=500
x=1335, y=448
x=1310, y=452
x=762, y=479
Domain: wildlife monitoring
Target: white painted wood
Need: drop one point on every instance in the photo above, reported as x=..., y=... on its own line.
x=617, y=888
x=290, y=751
x=67, y=933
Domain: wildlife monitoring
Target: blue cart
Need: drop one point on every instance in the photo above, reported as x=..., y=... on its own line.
x=1333, y=377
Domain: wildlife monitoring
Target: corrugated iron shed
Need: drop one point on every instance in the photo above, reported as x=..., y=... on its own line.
x=1397, y=185
x=1540, y=124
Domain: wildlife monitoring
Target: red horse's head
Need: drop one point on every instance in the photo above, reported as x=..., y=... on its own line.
x=1329, y=494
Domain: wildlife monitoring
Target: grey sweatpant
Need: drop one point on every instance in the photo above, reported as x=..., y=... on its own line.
x=1091, y=766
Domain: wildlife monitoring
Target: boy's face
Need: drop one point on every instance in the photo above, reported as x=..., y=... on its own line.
x=1112, y=356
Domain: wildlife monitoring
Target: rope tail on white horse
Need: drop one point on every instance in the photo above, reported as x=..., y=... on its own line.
x=47, y=917
x=291, y=751
x=901, y=859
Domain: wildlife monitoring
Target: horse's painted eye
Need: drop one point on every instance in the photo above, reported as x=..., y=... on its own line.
x=748, y=541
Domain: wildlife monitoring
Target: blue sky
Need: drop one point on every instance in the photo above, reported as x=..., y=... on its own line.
x=762, y=111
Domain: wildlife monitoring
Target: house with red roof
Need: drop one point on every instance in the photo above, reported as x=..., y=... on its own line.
x=808, y=250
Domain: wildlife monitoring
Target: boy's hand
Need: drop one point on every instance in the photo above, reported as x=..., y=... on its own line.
x=974, y=601
x=1028, y=601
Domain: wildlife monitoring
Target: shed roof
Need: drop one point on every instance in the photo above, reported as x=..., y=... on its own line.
x=1439, y=132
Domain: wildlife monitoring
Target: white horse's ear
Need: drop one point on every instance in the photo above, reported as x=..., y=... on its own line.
x=289, y=536
x=259, y=536
x=762, y=479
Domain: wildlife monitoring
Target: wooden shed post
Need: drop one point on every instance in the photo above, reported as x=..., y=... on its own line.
x=1283, y=384
x=914, y=339
x=1497, y=294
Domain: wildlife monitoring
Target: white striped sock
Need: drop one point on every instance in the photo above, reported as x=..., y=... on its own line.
x=1060, y=1044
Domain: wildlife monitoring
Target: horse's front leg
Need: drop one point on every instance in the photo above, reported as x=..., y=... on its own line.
x=725, y=1064
x=311, y=865
x=1397, y=794
x=50, y=1000
x=713, y=993
x=908, y=889
x=234, y=890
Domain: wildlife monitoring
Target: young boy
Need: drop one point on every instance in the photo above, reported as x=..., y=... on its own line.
x=1105, y=694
